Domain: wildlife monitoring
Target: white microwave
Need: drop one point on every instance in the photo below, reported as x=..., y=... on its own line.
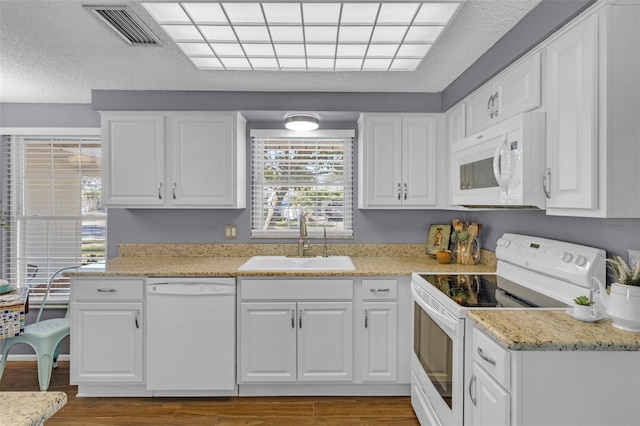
x=502, y=166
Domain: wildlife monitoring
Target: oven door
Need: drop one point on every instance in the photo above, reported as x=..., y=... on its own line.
x=436, y=361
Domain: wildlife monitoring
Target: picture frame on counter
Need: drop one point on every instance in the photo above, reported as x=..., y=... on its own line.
x=438, y=238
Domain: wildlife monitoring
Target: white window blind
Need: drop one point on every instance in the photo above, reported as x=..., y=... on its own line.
x=52, y=202
x=293, y=176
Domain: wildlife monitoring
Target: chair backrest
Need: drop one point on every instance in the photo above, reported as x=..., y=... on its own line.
x=46, y=293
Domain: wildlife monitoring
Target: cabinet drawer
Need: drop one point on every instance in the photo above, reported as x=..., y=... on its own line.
x=493, y=357
x=379, y=289
x=106, y=289
x=296, y=289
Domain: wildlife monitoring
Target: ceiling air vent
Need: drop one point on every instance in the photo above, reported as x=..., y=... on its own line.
x=127, y=25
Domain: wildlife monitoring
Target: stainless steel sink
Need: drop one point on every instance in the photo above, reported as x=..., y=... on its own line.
x=284, y=263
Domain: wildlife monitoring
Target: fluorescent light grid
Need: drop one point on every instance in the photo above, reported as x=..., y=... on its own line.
x=380, y=36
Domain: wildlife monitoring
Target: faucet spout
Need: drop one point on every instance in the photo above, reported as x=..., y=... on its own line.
x=303, y=246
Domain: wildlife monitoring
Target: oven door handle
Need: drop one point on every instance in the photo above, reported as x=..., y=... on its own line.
x=450, y=323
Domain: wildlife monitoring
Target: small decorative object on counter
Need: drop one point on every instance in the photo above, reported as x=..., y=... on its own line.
x=438, y=238
x=623, y=302
x=443, y=256
x=583, y=309
x=467, y=247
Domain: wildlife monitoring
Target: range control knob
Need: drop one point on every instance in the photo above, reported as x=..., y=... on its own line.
x=580, y=260
x=566, y=257
x=504, y=243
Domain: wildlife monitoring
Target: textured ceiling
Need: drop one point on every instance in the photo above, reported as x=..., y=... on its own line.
x=57, y=51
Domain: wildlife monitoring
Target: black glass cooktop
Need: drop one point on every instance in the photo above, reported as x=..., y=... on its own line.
x=466, y=290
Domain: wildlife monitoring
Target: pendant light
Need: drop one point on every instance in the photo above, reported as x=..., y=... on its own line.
x=301, y=122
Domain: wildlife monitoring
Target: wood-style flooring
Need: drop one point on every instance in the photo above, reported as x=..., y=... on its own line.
x=286, y=411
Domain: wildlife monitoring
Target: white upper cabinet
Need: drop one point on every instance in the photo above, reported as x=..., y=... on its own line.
x=133, y=159
x=514, y=91
x=397, y=161
x=182, y=160
x=592, y=93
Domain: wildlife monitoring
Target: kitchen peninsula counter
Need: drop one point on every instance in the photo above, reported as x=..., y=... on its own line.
x=552, y=330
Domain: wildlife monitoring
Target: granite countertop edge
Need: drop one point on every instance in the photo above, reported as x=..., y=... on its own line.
x=552, y=330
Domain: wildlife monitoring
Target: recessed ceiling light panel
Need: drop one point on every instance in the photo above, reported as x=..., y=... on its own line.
x=313, y=36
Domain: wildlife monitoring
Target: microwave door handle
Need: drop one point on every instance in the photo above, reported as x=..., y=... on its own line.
x=497, y=165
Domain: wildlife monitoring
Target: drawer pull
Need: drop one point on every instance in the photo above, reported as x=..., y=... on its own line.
x=380, y=290
x=471, y=385
x=107, y=290
x=485, y=357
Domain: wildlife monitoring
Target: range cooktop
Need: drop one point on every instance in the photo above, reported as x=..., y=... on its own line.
x=466, y=289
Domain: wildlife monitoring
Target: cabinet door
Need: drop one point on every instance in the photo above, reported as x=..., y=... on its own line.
x=202, y=158
x=491, y=403
x=325, y=341
x=571, y=93
x=419, y=161
x=379, y=342
x=518, y=90
x=382, y=161
x=479, y=109
x=455, y=119
x=268, y=342
x=133, y=154
x=106, y=342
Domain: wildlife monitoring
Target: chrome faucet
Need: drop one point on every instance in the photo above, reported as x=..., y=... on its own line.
x=303, y=245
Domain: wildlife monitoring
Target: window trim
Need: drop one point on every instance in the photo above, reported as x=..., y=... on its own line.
x=292, y=135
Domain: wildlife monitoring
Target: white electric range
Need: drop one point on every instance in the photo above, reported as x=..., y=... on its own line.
x=531, y=273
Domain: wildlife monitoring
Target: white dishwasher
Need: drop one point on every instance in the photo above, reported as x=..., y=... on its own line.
x=191, y=336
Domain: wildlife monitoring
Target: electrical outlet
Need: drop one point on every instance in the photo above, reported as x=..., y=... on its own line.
x=230, y=232
x=634, y=257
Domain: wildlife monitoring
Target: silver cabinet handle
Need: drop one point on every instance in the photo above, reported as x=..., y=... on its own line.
x=107, y=290
x=405, y=191
x=471, y=385
x=366, y=318
x=300, y=318
x=380, y=290
x=494, y=106
x=546, y=179
x=399, y=191
x=293, y=318
x=137, y=318
x=486, y=357
x=160, y=191
x=174, y=190
x=490, y=106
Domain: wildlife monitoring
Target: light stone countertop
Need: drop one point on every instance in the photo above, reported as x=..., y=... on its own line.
x=29, y=408
x=223, y=260
x=176, y=266
x=552, y=330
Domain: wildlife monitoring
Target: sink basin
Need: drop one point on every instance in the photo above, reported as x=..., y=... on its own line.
x=284, y=263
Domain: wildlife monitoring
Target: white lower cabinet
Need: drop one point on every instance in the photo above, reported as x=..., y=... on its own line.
x=305, y=341
x=550, y=387
x=107, y=331
x=331, y=336
x=491, y=402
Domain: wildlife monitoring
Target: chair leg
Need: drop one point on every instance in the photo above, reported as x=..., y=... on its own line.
x=7, y=345
x=44, y=370
x=56, y=353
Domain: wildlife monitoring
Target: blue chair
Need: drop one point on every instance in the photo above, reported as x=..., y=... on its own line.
x=44, y=337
